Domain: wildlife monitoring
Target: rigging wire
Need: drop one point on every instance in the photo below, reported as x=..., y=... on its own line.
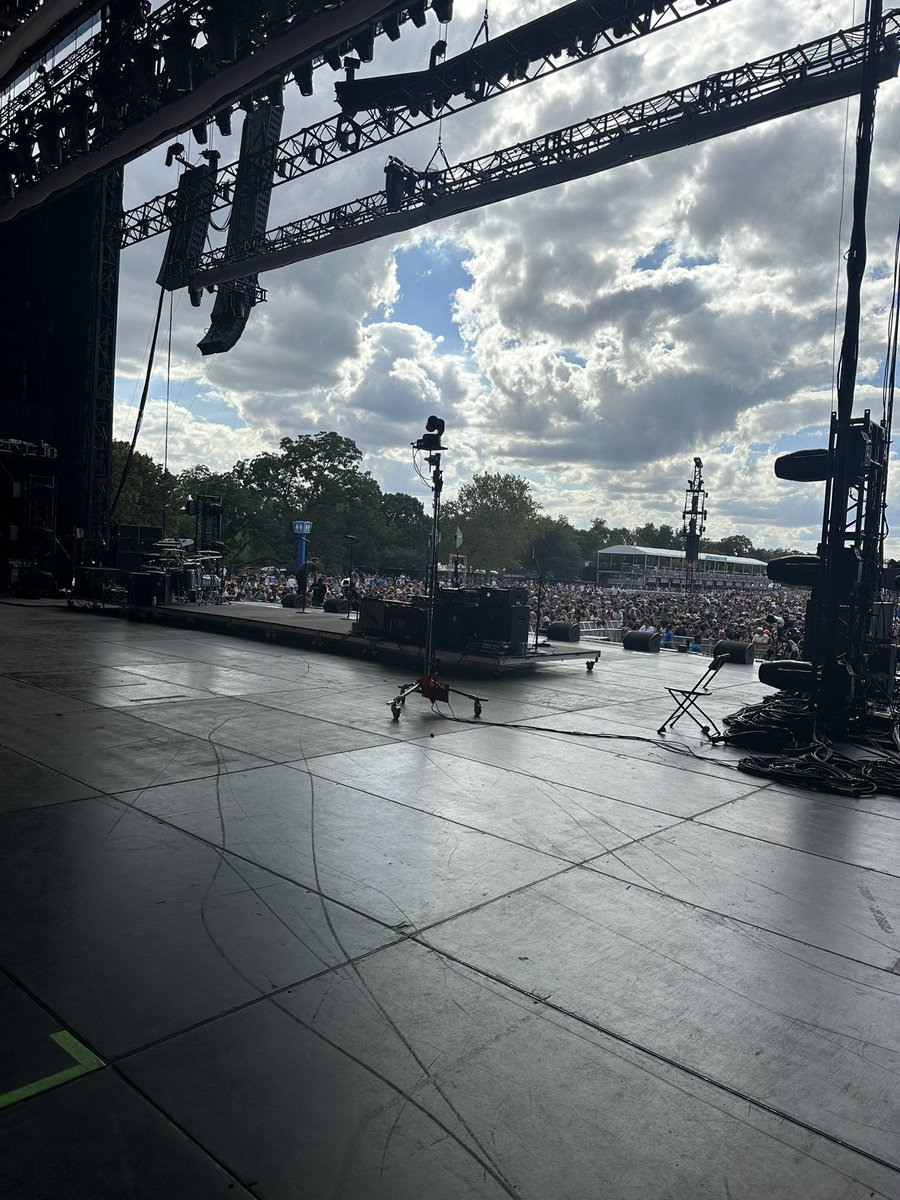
x=485, y=26
x=439, y=148
x=890, y=371
x=168, y=385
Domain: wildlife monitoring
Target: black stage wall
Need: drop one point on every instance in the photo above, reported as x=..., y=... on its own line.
x=57, y=371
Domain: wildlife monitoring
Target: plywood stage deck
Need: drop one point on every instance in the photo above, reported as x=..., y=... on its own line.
x=259, y=940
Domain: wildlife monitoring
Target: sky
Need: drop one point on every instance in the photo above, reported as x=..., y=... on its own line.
x=592, y=338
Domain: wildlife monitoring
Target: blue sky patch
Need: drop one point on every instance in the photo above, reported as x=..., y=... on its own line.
x=655, y=259
x=571, y=356
x=428, y=276
x=690, y=261
x=213, y=407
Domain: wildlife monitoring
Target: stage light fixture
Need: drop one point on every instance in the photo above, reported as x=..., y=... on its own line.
x=303, y=77
x=144, y=63
x=75, y=122
x=174, y=152
x=221, y=32
x=178, y=53
x=199, y=133
x=417, y=13
x=443, y=10
x=223, y=121
x=438, y=51
x=391, y=26
x=49, y=141
x=363, y=43
x=394, y=184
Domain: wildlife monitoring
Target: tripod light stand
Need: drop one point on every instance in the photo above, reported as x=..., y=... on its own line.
x=428, y=685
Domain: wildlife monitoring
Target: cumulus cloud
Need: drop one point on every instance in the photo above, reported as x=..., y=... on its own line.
x=610, y=328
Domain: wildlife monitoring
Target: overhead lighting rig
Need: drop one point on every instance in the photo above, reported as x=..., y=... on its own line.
x=799, y=78
x=145, y=77
x=375, y=111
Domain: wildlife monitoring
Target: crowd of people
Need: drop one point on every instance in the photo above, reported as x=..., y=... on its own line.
x=771, y=619
x=270, y=585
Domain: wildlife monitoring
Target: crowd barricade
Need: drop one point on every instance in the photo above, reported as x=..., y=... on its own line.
x=682, y=642
x=596, y=629
x=608, y=630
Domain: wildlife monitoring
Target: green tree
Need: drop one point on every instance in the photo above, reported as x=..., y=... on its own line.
x=315, y=477
x=558, y=548
x=767, y=555
x=621, y=536
x=497, y=515
x=646, y=535
x=407, y=533
x=246, y=527
x=735, y=543
x=141, y=501
x=592, y=539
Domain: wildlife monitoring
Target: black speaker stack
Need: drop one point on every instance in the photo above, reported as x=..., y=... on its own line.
x=132, y=545
x=464, y=620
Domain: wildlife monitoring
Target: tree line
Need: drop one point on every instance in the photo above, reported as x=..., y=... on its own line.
x=319, y=478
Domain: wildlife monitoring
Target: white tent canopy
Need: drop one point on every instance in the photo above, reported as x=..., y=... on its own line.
x=650, y=552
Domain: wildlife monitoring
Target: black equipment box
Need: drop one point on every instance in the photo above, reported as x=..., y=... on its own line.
x=462, y=620
x=503, y=597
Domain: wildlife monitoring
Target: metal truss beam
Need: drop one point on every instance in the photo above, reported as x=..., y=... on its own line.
x=378, y=110
x=815, y=73
x=99, y=379
x=132, y=95
x=31, y=37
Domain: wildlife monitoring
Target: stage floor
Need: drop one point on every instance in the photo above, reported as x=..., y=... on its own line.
x=258, y=939
x=317, y=630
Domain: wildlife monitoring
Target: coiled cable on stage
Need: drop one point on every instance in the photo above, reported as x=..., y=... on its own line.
x=882, y=773
x=779, y=722
x=820, y=769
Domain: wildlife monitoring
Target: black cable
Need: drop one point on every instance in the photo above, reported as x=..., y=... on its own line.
x=820, y=768
x=673, y=747
x=140, y=416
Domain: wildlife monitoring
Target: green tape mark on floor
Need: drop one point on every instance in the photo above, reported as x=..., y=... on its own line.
x=85, y=1061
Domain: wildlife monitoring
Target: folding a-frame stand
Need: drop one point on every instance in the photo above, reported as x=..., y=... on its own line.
x=687, y=700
